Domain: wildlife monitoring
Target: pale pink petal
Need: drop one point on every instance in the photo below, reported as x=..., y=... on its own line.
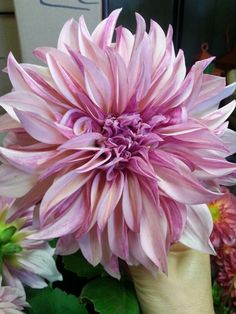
x=211, y=86
x=67, y=245
x=118, y=234
x=158, y=42
x=96, y=83
x=22, y=81
x=25, y=101
x=198, y=229
x=25, y=161
x=40, y=128
x=66, y=222
x=69, y=36
x=176, y=214
x=105, y=196
x=60, y=79
x=62, y=188
x=7, y=123
x=229, y=138
x=14, y=182
x=102, y=35
x=212, y=104
x=124, y=42
x=120, y=81
x=91, y=50
x=109, y=260
x=132, y=202
x=90, y=245
x=216, y=118
x=41, y=263
x=85, y=141
x=182, y=187
x=153, y=231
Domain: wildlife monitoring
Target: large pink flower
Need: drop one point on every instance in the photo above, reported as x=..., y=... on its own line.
x=119, y=145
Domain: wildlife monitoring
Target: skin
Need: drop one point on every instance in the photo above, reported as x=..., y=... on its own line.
x=187, y=289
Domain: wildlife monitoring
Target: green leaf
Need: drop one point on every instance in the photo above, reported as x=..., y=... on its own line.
x=78, y=265
x=50, y=301
x=216, y=293
x=53, y=243
x=110, y=296
x=221, y=309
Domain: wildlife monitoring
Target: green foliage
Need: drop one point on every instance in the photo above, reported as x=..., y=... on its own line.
x=54, y=301
x=216, y=293
x=110, y=296
x=77, y=264
x=219, y=307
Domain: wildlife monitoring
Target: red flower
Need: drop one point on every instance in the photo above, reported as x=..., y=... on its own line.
x=223, y=211
x=226, y=277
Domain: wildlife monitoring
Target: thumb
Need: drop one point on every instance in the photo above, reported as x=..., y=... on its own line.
x=186, y=289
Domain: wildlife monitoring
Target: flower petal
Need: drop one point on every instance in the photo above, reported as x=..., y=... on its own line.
x=14, y=182
x=40, y=128
x=132, y=202
x=198, y=229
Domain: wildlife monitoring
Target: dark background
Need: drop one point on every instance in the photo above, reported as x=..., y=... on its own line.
x=194, y=22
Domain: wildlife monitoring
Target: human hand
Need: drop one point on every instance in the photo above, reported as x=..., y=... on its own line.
x=186, y=289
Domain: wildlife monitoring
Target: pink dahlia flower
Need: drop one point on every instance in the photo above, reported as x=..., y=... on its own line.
x=23, y=261
x=12, y=300
x=223, y=211
x=117, y=143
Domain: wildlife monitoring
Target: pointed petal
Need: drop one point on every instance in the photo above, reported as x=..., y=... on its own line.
x=216, y=118
x=67, y=245
x=103, y=33
x=7, y=123
x=25, y=101
x=90, y=245
x=72, y=218
x=212, y=104
x=153, y=231
x=40, y=262
x=105, y=195
x=62, y=188
x=158, y=42
x=40, y=128
x=198, y=229
x=118, y=234
x=85, y=141
x=25, y=161
x=176, y=215
x=132, y=202
x=69, y=36
x=187, y=191
x=14, y=182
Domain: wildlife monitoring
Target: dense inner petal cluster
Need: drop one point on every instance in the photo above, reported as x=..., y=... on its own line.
x=128, y=135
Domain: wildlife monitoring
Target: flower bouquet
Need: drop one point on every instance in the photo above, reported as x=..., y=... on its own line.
x=112, y=153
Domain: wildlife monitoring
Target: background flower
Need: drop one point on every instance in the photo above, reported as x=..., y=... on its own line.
x=223, y=211
x=120, y=147
x=23, y=261
x=12, y=300
x=226, y=276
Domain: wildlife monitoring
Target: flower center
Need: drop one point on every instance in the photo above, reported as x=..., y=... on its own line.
x=9, y=237
x=215, y=211
x=8, y=245
x=127, y=135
